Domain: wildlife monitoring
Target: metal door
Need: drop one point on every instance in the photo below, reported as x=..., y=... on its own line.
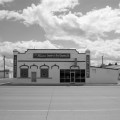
x=33, y=76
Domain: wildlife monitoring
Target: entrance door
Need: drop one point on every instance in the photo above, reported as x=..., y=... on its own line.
x=72, y=77
x=33, y=76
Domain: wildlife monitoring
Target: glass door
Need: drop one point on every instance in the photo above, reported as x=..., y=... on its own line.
x=72, y=77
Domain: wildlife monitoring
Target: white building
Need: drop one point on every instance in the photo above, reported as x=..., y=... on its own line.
x=115, y=67
x=103, y=75
x=4, y=74
x=58, y=66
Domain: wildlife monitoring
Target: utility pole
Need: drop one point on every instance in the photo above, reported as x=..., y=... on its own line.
x=4, y=66
x=102, y=60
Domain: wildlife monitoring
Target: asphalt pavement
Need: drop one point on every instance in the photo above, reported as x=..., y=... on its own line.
x=60, y=102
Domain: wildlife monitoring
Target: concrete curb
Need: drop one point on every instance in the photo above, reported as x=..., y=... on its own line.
x=5, y=83
x=36, y=84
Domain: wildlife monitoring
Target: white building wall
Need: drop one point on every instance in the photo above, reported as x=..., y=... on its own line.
x=101, y=75
x=28, y=55
x=2, y=74
x=54, y=72
x=119, y=74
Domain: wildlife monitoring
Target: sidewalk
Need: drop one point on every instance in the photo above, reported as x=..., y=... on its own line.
x=5, y=81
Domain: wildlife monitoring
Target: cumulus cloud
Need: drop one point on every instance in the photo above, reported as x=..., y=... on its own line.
x=5, y=14
x=43, y=14
x=6, y=49
x=91, y=25
x=110, y=49
x=58, y=5
x=5, y=1
x=87, y=30
x=101, y=21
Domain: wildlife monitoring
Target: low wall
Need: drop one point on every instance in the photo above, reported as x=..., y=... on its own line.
x=38, y=80
x=103, y=76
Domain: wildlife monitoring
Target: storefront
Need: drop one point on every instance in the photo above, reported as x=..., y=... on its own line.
x=51, y=66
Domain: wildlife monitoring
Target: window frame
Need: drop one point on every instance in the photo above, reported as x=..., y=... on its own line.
x=22, y=75
x=44, y=76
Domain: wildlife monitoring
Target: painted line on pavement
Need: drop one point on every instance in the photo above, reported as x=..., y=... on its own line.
x=87, y=110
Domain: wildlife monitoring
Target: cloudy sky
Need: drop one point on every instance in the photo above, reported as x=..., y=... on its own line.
x=58, y=24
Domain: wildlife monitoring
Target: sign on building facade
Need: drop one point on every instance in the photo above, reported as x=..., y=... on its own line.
x=87, y=66
x=51, y=55
x=15, y=66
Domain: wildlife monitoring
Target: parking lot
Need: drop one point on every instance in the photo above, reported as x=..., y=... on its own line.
x=60, y=102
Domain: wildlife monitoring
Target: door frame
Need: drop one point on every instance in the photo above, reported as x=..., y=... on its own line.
x=32, y=78
x=72, y=72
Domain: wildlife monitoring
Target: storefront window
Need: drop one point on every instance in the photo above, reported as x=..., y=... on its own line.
x=77, y=76
x=73, y=75
x=23, y=72
x=67, y=75
x=82, y=73
x=62, y=76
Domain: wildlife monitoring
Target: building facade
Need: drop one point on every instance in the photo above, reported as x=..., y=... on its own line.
x=51, y=66
x=59, y=66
